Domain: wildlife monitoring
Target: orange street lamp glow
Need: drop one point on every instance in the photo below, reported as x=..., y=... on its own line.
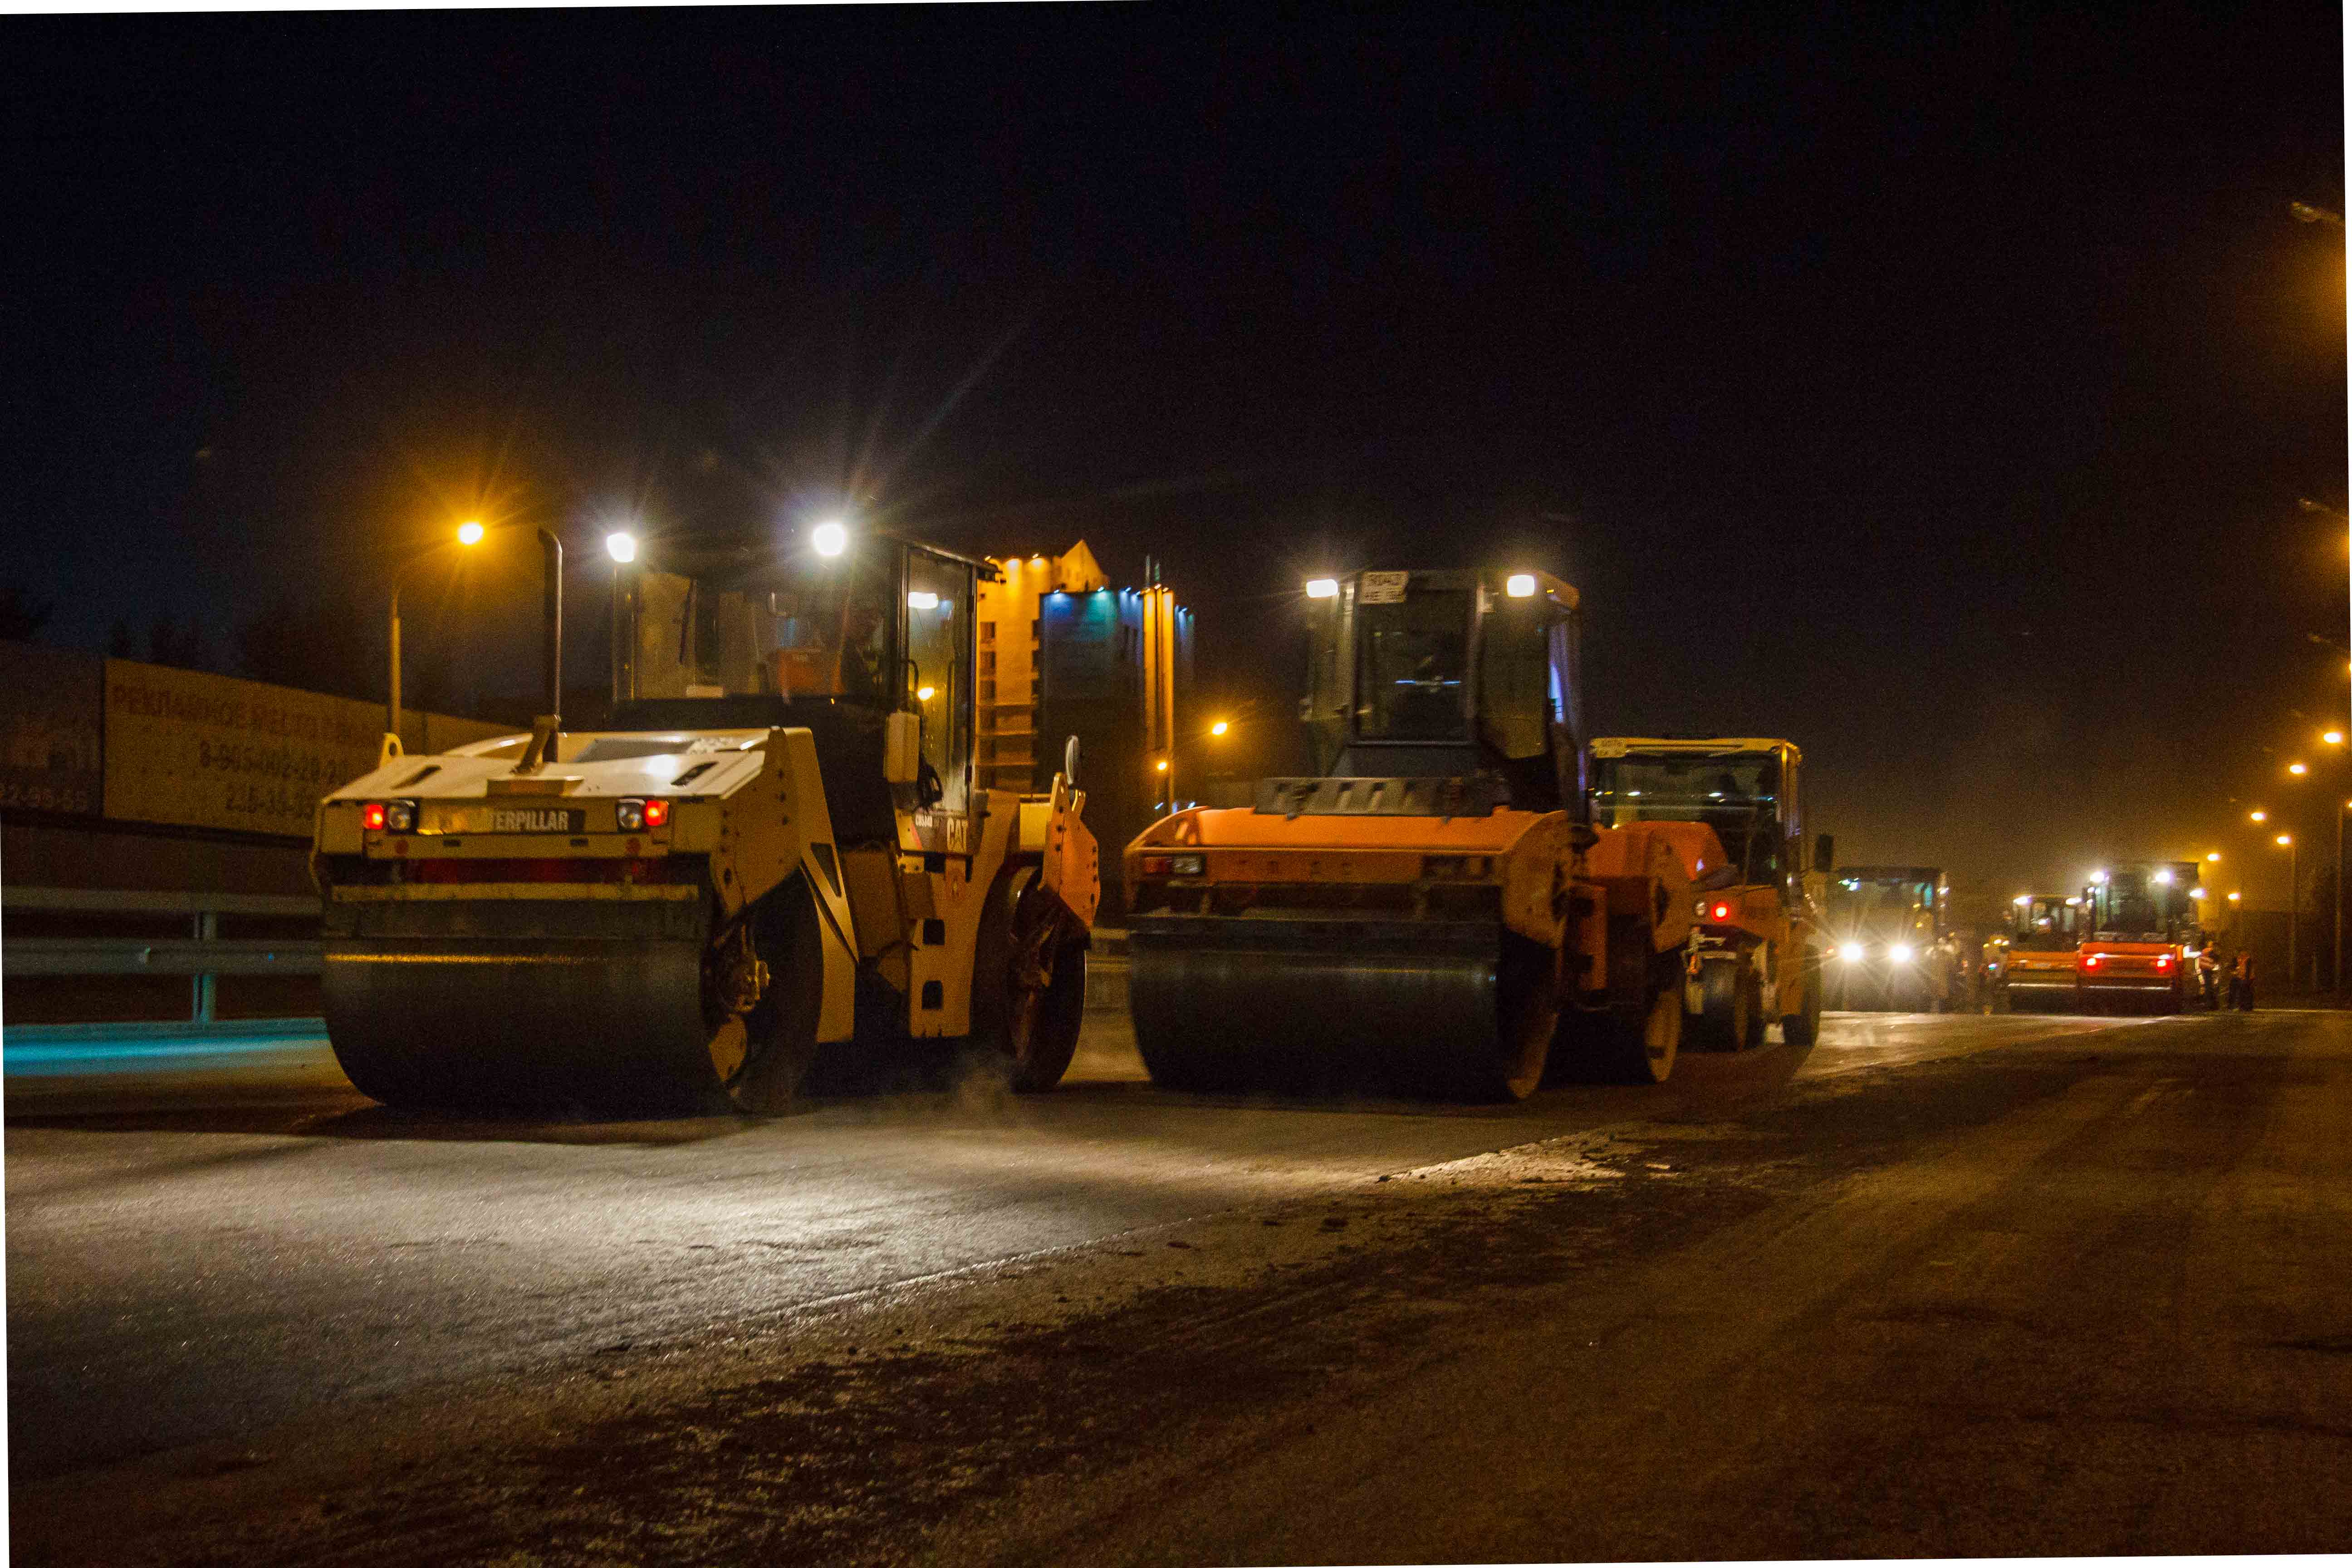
x=1162, y=764
x=2283, y=840
x=2215, y=856
x=2334, y=737
x=2259, y=815
x=2297, y=769
x=1219, y=728
x=469, y=532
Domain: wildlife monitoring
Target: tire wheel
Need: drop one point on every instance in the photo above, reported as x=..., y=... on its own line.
x=760, y=1058
x=1803, y=1027
x=1644, y=1043
x=1032, y=1027
x=1722, y=1021
x=1750, y=1032
x=1511, y=1067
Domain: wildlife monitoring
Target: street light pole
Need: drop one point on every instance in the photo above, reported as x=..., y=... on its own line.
x=2341, y=897
x=2293, y=846
x=469, y=533
x=551, y=625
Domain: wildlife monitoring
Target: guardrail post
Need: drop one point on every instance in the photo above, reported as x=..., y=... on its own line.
x=207, y=929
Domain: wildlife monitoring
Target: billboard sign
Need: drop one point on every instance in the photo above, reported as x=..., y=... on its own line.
x=52, y=744
x=209, y=750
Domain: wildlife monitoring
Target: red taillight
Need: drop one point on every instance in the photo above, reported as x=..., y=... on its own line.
x=657, y=814
x=372, y=816
x=2090, y=961
x=1155, y=864
x=2164, y=961
x=1720, y=914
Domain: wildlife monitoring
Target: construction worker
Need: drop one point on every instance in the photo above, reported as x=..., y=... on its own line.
x=2209, y=977
x=2241, y=983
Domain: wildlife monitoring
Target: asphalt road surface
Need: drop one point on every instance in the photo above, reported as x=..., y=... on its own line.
x=1957, y=1286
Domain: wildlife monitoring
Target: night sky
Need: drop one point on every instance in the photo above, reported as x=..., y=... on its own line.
x=1935, y=389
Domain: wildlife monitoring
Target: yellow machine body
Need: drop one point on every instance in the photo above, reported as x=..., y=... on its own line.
x=649, y=919
x=1756, y=955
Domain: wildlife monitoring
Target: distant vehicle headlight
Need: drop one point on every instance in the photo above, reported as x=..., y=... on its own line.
x=1901, y=952
x=1851, y=952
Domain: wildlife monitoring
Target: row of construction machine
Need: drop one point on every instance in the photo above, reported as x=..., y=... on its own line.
x=1437, y=907
x=2139, y=950
x=2034, y=970
x=1890, y=944
x=2127, y=943
x=1755, y=951
x=770, y=862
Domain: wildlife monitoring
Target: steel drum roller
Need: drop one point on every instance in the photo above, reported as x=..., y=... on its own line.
x=1248, y=1004
x=474, y=1023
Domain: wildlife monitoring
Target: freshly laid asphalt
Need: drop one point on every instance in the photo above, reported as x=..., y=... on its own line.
x=1953, y=1285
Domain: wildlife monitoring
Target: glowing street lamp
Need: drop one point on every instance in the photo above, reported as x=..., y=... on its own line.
x=829, y=537
x=2297, y=769
x=622, y=547
x=1219, y=728
x=2258, y=815
x=470, y=533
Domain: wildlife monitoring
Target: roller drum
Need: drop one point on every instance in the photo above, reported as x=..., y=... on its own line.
x=476, y=1023
x=1236, y=1004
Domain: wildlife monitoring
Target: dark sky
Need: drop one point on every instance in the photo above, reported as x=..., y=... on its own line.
x=1936, y=389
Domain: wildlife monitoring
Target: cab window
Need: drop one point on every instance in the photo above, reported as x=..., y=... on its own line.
x=940, y=595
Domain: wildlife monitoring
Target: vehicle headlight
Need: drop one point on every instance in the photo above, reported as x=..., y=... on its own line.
x=1851, y=952
x=1900, y=952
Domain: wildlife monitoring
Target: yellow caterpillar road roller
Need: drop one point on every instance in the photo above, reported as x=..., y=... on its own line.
x=1757, y=955
x=772, y=860
x=1434, y=911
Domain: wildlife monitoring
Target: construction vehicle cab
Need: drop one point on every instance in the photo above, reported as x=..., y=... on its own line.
x=2141, y=939
x=772, y=858
x=1890, y=946
x=1433, y=907
x=1754, y=955
x=2037, y=973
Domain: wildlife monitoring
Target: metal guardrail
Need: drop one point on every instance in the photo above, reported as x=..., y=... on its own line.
x=203, y=954
x=200, y=956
